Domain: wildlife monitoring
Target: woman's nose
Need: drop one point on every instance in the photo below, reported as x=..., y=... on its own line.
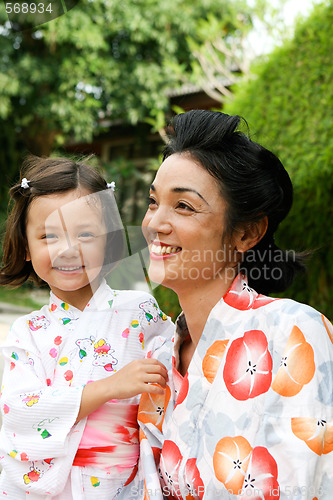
x=157, y=221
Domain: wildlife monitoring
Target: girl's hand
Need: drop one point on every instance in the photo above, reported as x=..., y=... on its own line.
x=137, y=377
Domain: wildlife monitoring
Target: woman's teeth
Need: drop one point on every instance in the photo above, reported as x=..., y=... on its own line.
x=163, y=250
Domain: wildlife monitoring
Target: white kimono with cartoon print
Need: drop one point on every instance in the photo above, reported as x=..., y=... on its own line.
x=252, y=417
x=50, y=355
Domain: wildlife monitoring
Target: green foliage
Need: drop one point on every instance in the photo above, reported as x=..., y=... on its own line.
x=168, y=301
x=102, y=60
x=288, y=106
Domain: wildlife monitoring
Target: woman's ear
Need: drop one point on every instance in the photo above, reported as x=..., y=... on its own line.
x=251, y=234
x=27, y=255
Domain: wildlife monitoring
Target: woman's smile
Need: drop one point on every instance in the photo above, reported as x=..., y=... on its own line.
x=160, y=250
x=184, y=225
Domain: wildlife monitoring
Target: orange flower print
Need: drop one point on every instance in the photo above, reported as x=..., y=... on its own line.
x=247, y=371
x=297, y=365
x=316, y=434
x=328, y=326
x=212, y=359
x=245, y=471
x=152, y=408
x=230, y=461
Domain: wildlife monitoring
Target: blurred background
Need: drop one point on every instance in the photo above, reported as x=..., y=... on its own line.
x=106, y=78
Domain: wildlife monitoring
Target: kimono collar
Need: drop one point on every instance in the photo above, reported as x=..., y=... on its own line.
x=100, y=300
x=239, y=296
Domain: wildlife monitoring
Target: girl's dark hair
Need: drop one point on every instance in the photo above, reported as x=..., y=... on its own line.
x=253, y=182
x=49, y=176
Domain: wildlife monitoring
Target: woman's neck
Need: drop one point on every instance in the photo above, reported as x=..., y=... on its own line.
x=197, y=301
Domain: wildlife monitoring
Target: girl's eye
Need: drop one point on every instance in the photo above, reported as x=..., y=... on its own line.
x=49, y=236
x=86, y=235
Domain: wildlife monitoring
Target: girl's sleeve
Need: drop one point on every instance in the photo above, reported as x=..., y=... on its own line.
x=37, y=418
x=157, y=326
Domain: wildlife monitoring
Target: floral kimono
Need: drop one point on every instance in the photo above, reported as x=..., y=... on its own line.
x=50, y=355
x=252, y=417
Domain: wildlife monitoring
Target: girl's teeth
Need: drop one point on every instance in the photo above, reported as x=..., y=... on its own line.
x=69, y=268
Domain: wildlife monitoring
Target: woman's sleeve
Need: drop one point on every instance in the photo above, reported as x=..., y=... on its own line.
x=297, y=425
x=37, y=418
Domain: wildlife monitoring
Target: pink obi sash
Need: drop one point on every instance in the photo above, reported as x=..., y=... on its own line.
x=110, y=440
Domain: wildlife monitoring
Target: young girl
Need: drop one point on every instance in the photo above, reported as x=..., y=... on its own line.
x=70, y=385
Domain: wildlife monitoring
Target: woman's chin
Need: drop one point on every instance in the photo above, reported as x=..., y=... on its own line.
x=159, y=274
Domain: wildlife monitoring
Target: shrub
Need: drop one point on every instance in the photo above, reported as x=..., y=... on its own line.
x=288, y=106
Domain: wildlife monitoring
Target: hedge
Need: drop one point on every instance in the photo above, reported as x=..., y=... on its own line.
x=288, y=107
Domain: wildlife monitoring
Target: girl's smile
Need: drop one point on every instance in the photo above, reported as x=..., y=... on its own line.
x=66, y=237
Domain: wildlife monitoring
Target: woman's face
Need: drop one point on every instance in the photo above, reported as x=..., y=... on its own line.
x=184, y=226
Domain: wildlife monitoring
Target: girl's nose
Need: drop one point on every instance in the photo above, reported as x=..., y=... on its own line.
x=68, y=249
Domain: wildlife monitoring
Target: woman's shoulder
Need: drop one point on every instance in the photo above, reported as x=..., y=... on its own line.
x=295, y=312
x=293, y=322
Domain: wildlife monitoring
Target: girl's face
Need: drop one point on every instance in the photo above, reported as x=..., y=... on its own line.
x=184, y=227
x=66, y=236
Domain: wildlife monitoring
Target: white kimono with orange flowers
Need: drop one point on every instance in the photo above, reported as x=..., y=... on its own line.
x=252, y=418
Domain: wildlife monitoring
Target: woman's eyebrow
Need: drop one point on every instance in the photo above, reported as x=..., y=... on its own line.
x=182, y=190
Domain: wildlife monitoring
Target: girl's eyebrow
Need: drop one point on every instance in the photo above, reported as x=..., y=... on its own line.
x=183, y=190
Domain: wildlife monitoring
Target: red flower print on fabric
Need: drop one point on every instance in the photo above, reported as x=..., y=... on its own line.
x=297, y=365
x=240, y=296
x=248, y=367
x=316, y=434
x=152, y=408
x=193, y=480
x=212, y=359
x=181, y=383
x=169, y=468
x=183, y=390
x=171, y=459
x=261, y=477
x=251, y=473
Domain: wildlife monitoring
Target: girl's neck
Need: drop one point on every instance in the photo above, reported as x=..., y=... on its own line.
x=77, y=298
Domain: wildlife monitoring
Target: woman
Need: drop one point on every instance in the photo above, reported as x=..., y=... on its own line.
x=248, y=407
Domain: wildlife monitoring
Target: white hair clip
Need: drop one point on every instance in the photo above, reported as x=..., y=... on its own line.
x=111, y=185
x=25, y=183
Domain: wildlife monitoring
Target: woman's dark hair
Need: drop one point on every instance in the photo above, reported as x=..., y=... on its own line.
x=253, y=182
x=48, y=176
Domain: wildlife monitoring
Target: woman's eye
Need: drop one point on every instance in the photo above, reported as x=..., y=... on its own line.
x=49, y=236
x=183, y=206
x=151, y=201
